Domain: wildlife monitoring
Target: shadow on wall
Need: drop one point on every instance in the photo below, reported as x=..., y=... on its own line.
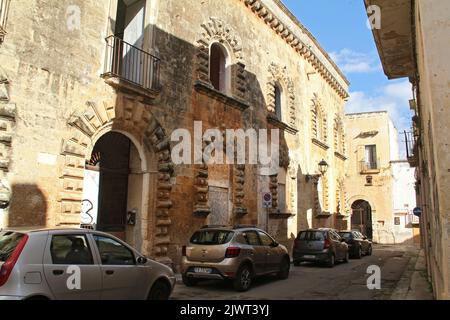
x=28, y=206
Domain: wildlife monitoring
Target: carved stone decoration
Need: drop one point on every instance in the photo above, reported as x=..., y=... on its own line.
x=238, y=190
x=279, y=75
x=5, y=195
x=273, y=186
x=292, y=177
x=262, y=11
x=7, y=123
x=319, y=125
x=325, y=193
x=339, y=136
x=316, y=199
x=341, y=197
x=216, y=30
x=4, y=95
x=201, y=206
x=285, y=160
x=133, y=117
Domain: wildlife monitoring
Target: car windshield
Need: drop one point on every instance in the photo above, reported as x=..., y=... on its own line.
x=8, y=243
x=212, y=237
x=312, y=236
x=345, y=235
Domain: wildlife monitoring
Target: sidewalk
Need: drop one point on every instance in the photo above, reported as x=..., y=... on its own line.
x=414, y=284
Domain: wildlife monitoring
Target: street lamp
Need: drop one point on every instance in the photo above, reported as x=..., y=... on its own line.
x=323, y=167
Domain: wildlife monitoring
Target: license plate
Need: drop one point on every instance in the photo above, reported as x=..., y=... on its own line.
x=309, y=257
x=202, y=270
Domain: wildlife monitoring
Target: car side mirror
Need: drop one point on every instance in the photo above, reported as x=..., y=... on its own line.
x=142, y=260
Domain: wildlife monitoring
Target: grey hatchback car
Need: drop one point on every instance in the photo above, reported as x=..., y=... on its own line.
x=77, y=264
x=237, y=253
x=320, y=246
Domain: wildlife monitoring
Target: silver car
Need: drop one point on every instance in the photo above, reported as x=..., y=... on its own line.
x=237, y=253
x=77, y=264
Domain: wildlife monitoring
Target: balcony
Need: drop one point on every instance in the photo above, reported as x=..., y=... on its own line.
x=370, y=167
x=4, y=8
x=411, y=141
x=130, y=68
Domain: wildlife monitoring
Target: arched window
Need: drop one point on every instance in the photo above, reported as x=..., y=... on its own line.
x=278, y=101
x=218, y=68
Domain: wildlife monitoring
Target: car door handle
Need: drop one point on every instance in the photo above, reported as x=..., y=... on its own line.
x=58, y=272
x=109, y=272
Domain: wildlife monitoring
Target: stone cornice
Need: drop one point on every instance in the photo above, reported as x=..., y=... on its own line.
x=294, y=39
x=340, y=155
x=208, y=90
x=281, y=125
x=320, y=144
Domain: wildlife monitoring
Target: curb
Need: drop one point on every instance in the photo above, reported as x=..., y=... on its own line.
x=412, y=285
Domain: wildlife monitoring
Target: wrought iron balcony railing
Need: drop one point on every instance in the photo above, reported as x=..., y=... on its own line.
x=411, y=140
x=131, y=64
x=369, y=166
x=4, y=8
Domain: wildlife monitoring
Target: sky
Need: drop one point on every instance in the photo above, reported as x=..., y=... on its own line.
x=340, y=27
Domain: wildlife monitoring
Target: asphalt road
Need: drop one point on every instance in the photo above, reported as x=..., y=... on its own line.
x=311, y=282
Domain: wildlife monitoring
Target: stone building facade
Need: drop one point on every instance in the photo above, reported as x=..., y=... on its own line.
x=379, y=189
x=414, y=43
x=92, y=92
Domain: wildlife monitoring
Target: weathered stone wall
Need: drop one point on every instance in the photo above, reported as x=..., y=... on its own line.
x=431, y=25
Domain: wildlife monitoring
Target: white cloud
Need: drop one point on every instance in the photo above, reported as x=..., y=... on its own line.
x=393, y=98
x=350, y=61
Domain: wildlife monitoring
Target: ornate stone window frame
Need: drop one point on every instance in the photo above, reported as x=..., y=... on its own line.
x=319, y=124
x=278, y=77
x=339, y=138
x=213, y=31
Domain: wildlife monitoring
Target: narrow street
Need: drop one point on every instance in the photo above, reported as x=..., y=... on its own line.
x=311, y=282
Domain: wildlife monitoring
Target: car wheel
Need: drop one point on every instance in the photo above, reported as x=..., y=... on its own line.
x=243, y=279
x=359, y=253
x=347, y=257
x=331, y=261
x=285, y=266
x=160, y=291
x=369, y=252
x=189, y=282
x=297, y=263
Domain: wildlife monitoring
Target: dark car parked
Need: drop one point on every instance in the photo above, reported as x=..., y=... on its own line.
x=320, y=246
x=358, y=244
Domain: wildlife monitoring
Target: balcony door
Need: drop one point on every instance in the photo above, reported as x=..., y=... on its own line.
x=371, y=157
x=130, y=27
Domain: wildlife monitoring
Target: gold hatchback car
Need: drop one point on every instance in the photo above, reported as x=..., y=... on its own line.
x=238, y=253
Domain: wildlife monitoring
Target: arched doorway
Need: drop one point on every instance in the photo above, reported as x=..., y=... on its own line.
x=362, y=218
x=113, y=186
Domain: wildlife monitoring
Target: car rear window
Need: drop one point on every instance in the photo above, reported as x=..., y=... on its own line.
x=212, y=237
x=8, y=243
x=312, y=236
x=346, y=235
